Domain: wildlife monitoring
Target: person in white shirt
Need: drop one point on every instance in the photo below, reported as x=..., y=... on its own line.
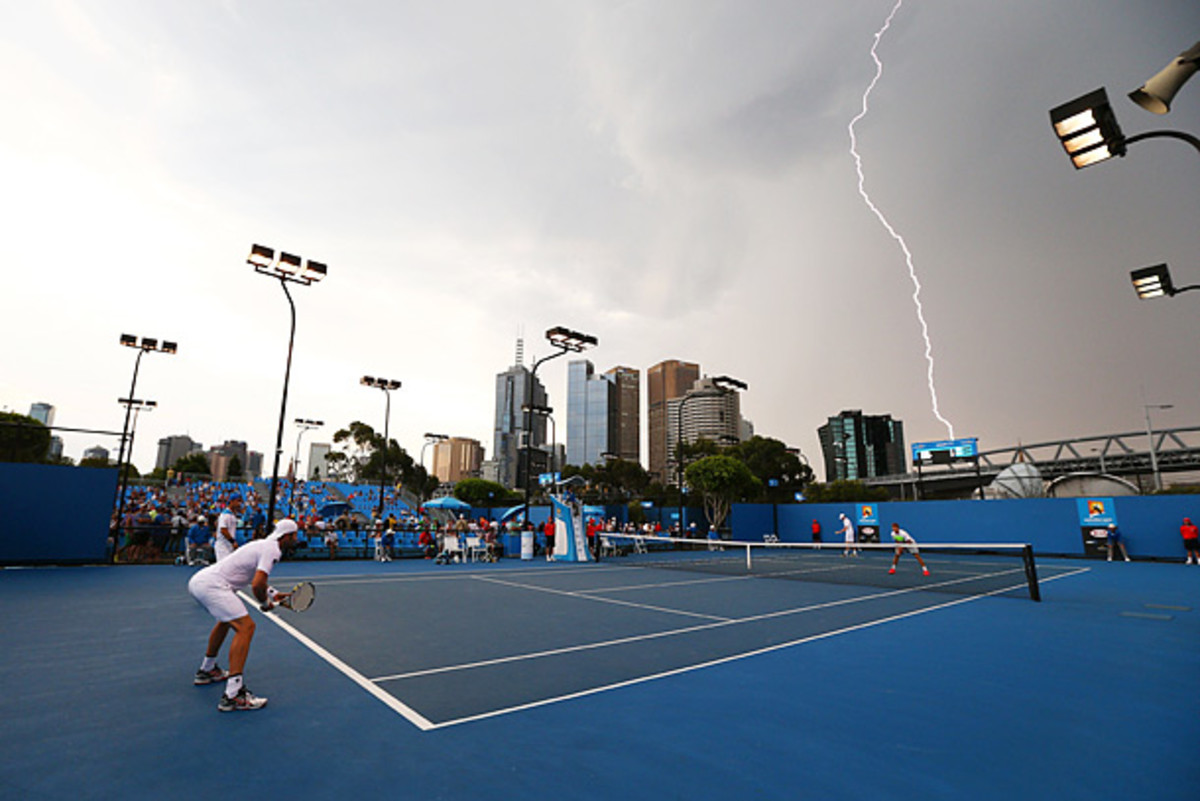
x=847, y=529
x=227, y=525
x=904, y=540
x=216, y=587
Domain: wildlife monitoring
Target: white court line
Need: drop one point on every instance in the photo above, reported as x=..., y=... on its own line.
x=721, y=622
x=579, y=594
x=396, y=705
x=644, y=637
x=710, y=663
x=424, y=724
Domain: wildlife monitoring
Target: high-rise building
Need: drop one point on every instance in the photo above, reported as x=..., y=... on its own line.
x=97, y=453
x=707, y=411
x=43, y=413
x=318, y=468
x=859, y=446
x=457, y=458
x=220, y=459
x=172, y=449
x=591, y=406
x=509, y=452
x=664, y=381
x=627, y=438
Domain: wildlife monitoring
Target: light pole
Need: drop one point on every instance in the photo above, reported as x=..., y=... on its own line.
x=566, y=341
x=287, y=268
x=722, y=383
x=387, y=385
x=430, y=439
x=137, y=406
x=143, y=347
x=1150, y=435
x=303, y=425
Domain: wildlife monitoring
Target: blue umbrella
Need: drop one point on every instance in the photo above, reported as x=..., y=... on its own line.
x=448, y=502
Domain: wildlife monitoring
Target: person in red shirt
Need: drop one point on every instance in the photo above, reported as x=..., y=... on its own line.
x=816, y=531
x=1191, y=541
x=549, y=531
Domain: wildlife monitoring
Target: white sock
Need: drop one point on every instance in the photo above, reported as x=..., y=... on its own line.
x=208, y=664
x=233, y=685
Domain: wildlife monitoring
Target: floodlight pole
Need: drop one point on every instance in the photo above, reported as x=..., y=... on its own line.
x=305, y=425
x=1150, y=436
x=567, y=341
x=387, y=385
x=287, y=269
x=430, y=439
x=287, y=377
x=122, y=472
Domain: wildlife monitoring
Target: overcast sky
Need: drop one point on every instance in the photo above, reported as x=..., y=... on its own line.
x=673, y=177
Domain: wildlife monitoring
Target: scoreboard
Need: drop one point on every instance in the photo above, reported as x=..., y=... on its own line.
x=944, y=451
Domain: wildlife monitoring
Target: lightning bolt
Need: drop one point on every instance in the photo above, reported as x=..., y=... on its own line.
x=908, y=259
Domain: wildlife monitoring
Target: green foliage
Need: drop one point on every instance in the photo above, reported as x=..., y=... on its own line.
x=22, y=439
x=478, y=492
x=195, y=464
x=95, y=463
x=616, y=481
x=721, y=481
x=364, y=458
x=844, y=492
x=235, y=470
x=769, y=459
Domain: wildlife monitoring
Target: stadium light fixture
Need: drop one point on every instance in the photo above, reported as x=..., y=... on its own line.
x=565, y=341
x=146, y=345
x=387, y=385
x=1155, y=282
x=1088, y=130
x=288, y=269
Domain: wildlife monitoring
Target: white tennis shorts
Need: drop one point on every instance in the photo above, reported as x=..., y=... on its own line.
x=214, y=594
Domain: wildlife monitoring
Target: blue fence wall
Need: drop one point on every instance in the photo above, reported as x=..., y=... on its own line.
x=1149, y=524
x=55, y=514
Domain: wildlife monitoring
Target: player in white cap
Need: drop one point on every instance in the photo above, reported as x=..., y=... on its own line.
x=215, y=588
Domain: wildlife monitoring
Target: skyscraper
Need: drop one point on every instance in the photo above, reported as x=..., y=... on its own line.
x=43, y=413
x=591, y=406
x=627, y=439
x=859, y=446
x=706, y=411
x=457, y=458
x=665, y=381
x=172, y=449
x=513, y=386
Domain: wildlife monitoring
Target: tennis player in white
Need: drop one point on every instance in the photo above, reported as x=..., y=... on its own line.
x=904, y=540
x=227, y=525
x=848, y=530
x=215, y=588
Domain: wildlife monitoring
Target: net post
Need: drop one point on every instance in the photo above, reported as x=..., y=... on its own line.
x=1031, y=572
x=748, y=565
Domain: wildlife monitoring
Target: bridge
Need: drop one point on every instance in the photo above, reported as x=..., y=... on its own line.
x=1128, y=456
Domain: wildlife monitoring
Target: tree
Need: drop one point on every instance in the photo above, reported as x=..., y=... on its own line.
x=769, y=459
x=478, y=492
x=195, y=463
x=235, y=468
x=93, y=462
x=22, y=438
x=721, y=480
x=844, y=492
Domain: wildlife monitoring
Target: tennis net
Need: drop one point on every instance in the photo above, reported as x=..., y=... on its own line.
x=967, y=569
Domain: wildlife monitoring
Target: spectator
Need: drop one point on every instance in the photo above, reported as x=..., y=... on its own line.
x=1191, y=541
x=199, y=543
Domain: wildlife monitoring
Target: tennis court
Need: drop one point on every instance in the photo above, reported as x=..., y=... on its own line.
x=526, y=679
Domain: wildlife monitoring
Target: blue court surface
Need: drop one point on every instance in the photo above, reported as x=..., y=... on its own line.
x=600, y=681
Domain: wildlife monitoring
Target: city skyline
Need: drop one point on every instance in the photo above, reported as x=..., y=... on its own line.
x=675, y=180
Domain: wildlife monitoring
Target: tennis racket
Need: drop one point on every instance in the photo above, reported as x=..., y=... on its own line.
x=300, y=598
